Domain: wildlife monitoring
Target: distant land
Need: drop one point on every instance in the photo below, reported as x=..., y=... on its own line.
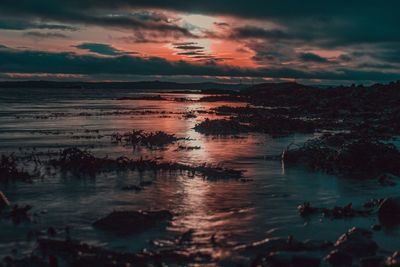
x=159, y=85
x=205, y=87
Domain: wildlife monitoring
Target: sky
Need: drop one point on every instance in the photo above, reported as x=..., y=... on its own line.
x=309, y=41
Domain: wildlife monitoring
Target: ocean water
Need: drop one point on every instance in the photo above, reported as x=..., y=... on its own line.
x=229, y=211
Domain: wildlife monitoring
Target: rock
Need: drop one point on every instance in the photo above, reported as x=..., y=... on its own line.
x=292, y=259
x=336, y=212
x=360, y=159
x=279, y=259
x=4, y=203
x=306, y=209
x=317, y=244
x=386, y=179
x=305, y=260
x=389, y=211
x=76, y=253
x=357, y=242
x=376, y=227
x=394, y=260
x=19, y=214
x=338, y=258
x=131, y=222
x=371, y=261
x=373, y=203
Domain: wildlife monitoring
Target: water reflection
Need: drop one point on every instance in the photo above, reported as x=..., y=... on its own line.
x=218, y=212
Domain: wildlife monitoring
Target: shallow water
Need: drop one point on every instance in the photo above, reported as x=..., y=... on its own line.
x=231, y=211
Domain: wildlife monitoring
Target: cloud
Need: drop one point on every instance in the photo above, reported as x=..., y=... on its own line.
x=188, y=47
x=191, y=53
x=87, y=13
x=103, y=49
x=45, y=35
x=275, y=53
x=194, y=51
x=12, y=24
x=311, y=57
x=258, y=32
x=20, y=61
x=333, y=23
x=273, y=32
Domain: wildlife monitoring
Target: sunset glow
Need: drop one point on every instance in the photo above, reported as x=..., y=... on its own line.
x=145, y=40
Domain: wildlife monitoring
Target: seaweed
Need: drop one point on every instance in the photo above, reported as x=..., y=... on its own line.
x=9, y=171
x=221, y=127
x=140, y=138
x=336, y=212
x=82, y=162
x=358, y=158
x=271, y=124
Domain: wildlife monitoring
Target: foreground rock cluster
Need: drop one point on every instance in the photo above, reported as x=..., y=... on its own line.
x=355, y=247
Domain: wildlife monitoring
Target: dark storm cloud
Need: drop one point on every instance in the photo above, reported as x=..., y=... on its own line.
x=267, y=53
x=143, y=37
x=311, y=57
x=19, y=61
x=338, y=22
x=257, y=32
x=254, y=9
x=12, y=24
x=391, y=55
x=345, y=58
x=327, y=23
x=103, y=49
x=91, y=13
x=191, y=53
x=188, y=47
x=150, y=16
x=184, y=43
x=377, y=66
x=194, y=51
x=45, y=35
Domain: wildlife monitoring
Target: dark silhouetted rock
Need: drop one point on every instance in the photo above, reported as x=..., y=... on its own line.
x=371, y=261
x=336, y=212
x=19, y=214
x=338, y=258
x=386, y=179
x=306, y=209
x=131, y=222
x=376, y=227
x=357, y=242
x=356, y=158
x=10, y=172
x=389, y=211
x=292, y=259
